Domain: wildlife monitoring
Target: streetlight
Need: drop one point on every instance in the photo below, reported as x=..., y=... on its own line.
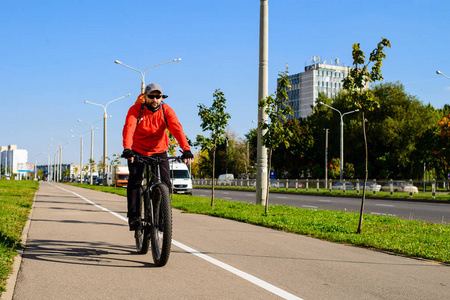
x=105, y=116
x=342, y=137
x=81, y=154
x=440, y=73
x=53, y=167
x=92, y=147
x=35, y=164
x=60, y=156
x=263, y=92
x=143, y=73
x=48, y=165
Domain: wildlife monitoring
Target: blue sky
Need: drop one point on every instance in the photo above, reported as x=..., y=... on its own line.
x=57, y=54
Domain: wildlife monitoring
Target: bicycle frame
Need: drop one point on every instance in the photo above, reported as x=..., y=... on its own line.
x=156, y=181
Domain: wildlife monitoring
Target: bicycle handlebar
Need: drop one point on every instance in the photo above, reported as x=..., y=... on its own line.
x=152, y=160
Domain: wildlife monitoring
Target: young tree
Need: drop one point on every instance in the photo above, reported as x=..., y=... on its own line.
x=359, y=96
x=214, y=119
x=276, y=110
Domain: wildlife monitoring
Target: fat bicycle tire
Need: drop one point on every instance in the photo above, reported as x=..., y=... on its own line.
x=161, y=232
x=142, y=234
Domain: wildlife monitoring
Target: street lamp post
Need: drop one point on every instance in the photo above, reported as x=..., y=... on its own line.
x=92, y=149
x=35, y=165
x=60, y=157
x=105, y=116
x=143, y=73
x=326, y=157
x=81, y=154
x=341, y=176
x=55, y=166
x=263, y=92
x=48, y=167
x=440, y=73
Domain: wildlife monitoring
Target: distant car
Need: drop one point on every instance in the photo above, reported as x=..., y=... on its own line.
x=400, y=187
x=299, y=185
x=370, y=186
x=99, y=181
x=340, y=186
x=226, y=179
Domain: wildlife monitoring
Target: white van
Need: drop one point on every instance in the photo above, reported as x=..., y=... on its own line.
x=226, y=178
x=180, y=178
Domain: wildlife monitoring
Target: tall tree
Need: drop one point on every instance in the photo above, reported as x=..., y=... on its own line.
x=276, y=109
x=215, y=120
x=361, y=97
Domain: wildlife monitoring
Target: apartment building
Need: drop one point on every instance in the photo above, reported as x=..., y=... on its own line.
x=317, y=77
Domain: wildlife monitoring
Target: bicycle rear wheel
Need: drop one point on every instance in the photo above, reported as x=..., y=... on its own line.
x=142, y=235
x=161, y=232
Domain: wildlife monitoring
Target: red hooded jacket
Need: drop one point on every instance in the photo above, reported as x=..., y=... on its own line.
x=149, y=136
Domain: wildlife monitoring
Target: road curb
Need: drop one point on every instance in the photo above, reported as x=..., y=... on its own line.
x=12, y=279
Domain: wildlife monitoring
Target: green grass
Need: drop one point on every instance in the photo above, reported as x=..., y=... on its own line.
x=409, y=238
x=16, y=199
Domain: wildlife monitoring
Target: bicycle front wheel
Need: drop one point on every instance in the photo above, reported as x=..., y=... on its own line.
x=161, y=231
x=142, y=234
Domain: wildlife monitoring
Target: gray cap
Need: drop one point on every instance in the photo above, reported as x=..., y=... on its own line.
x=153, y=87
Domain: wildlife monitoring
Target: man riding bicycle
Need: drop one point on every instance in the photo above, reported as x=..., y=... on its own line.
x=145, y=133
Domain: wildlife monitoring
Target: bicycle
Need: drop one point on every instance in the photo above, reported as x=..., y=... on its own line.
x=156, y=212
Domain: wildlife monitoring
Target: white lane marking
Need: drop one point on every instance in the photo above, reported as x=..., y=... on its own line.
x=324, y=200
x=227, y=198
x=282, y=197
x=383, y=214
x=96, y=205
x=309, y=206
x=385, y=205
x=261, y=283
x=265, y=285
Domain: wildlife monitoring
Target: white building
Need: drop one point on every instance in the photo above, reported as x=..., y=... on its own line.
x=12, y=158
x=318, y=77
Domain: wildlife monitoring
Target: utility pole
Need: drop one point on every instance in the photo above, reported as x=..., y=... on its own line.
x=263, y=91
x=326, y=158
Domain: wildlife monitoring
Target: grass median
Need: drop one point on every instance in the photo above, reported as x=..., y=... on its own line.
x=409, y=238
x=442, y=195
x=16, y=200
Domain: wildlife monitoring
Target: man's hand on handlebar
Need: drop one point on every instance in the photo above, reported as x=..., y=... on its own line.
x=128, y=154
x=187, y=157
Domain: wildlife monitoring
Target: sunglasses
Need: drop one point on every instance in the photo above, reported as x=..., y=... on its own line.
x=156, y=96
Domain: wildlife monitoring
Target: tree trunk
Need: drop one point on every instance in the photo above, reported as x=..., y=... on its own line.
x=366, y=174
x=268, y=181
x=213, y=176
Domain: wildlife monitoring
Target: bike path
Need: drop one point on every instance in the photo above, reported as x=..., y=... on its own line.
x=77, y=250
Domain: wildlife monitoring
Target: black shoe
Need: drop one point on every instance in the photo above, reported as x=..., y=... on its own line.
x=134, y=224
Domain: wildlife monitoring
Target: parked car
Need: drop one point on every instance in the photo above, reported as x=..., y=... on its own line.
x=340, y=186
x=370, y=186
x=400, y=187
x=225, y=179
x=299, y=185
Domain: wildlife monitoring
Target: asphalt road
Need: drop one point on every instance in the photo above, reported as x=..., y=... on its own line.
x=408, y=210
x=79, y=247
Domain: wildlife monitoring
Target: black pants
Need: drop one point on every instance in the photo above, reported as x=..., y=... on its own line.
x=136, y=170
